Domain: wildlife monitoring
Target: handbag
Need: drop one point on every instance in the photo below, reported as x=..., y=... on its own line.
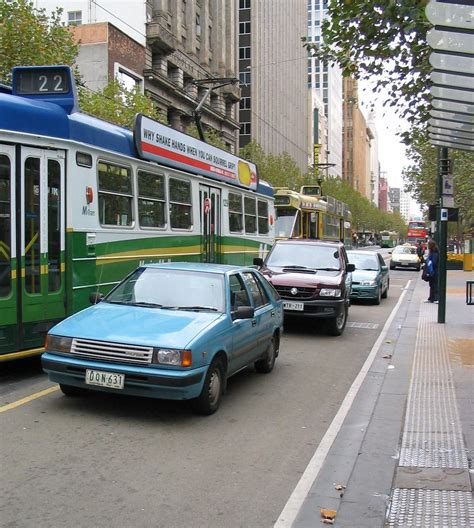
x=425, y=274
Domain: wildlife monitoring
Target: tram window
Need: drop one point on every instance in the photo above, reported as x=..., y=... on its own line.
x=236, y=224
x=54, y=226
x=5, y=227
x=250, y=215
x=151, y=199
x=83, y=159
x=32, y=234
x=115, y=195
x=262, y=217
x=180, y=204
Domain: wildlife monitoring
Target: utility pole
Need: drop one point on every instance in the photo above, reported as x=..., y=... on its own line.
x=444, y=169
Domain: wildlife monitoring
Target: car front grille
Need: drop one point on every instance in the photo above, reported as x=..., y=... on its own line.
x=107, y=351
x=303, y=293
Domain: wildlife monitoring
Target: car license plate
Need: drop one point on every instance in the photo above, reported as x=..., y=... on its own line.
x=110, y=380
x=288, y=305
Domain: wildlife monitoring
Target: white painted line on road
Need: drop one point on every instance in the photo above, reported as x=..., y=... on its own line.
x=297, y=498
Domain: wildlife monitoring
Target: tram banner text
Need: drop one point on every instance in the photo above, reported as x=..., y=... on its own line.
x=163, y=144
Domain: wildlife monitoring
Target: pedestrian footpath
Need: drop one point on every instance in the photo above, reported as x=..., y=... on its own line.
x=404, y=455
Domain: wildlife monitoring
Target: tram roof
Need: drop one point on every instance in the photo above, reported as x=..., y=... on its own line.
x=21, y=114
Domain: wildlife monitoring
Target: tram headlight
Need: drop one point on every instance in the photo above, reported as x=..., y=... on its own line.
x=56, y=343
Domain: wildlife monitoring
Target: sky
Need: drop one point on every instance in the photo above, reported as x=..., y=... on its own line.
x=392, y=153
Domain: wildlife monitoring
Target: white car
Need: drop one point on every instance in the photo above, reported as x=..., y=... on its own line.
x=405, y=257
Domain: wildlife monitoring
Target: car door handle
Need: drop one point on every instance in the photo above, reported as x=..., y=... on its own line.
x=254, y=322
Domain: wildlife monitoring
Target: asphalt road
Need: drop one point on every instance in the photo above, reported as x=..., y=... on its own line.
x=107, y=460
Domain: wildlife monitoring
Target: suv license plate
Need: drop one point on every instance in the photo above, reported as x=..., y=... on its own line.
x=288, y=305
x=110, y=380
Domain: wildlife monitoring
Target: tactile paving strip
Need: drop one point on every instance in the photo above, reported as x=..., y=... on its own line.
x=432, y=436
x=430, y=509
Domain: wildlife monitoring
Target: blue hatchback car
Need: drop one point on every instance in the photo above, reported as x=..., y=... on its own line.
x=370, y=279
x=173, y=331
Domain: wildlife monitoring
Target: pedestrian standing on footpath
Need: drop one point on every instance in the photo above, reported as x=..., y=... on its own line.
x=420, y=252
x=430, y=271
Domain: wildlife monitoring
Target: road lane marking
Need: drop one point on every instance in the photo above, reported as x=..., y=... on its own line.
x=302, y=489
x=35, y=396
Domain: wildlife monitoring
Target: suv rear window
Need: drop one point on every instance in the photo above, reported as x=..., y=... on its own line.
x=309, y=256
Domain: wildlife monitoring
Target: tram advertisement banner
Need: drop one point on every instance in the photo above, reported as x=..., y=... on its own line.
x=163, y=144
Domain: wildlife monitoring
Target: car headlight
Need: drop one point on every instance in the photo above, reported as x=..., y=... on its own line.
x=56, y=343
x=330, y=292
x=368, y=283
x=173, y=357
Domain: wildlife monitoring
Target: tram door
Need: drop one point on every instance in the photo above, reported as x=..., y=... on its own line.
x=37, y=242
x=210, y=210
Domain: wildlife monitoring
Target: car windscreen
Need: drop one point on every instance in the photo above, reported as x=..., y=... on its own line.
x=284, y=223
x=309, y=256
x=173, y=289
x=405, y=250
x=363, y=261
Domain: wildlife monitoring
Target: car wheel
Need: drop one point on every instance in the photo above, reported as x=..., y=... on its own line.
x=418, y=268
x=378, y=299
x=385, y=293
x=337, y=324
x=210, y=398
x=392, y=266
x=69, y=390
x=265, y=365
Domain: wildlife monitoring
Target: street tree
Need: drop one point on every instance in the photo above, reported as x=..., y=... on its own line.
x=30, y=36
x=383, y=41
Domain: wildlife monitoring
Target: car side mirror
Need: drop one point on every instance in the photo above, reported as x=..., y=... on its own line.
x=258, y=261
x=243, y=312
x=384, y=268
x=95, y=297
x=351, y=267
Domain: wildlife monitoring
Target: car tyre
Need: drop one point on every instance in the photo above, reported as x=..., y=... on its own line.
x=378, y=299
x=69, y=390
x=392, y=266
x=337, y=324
x=210, y=398
x=265, y=365
x=385, y=293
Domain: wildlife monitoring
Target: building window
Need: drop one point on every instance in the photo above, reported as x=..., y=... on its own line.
x=244, y=52
x=244, y=78
x=244, y=4
x=244, y=103
x=74, y=18
x=245, y=129
x=198, y=25
x=244, y=28
x=129, y=79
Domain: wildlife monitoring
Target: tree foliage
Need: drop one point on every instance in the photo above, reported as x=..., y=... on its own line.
x=117, y=104
x=383, y=40
x=421, y=175
x=280, y=170
x=29, y=36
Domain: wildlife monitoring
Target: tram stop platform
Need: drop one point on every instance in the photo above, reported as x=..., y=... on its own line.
x=404, y=455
